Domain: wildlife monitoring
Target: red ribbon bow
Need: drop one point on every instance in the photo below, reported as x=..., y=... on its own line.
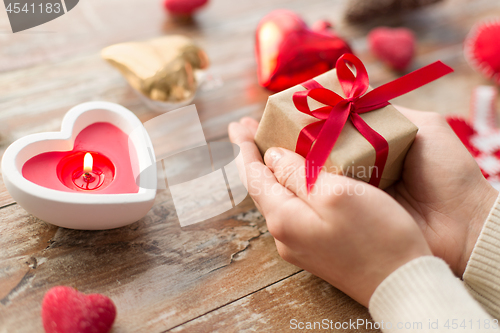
x=339, y=110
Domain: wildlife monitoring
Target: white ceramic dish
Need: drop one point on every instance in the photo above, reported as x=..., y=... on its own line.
x=79, y=210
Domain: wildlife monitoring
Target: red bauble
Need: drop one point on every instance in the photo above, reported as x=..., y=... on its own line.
x=289, y=53
x=66, y=310
x=394, y=46
x=184, y=7
x=482, y=49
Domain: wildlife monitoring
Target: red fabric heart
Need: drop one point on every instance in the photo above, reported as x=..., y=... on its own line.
x=66, y=310
x=183, y=7
x=396, y=47
x=482, y=49
x=289, y=53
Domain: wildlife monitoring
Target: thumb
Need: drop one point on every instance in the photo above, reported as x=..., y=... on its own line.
x=289, y=169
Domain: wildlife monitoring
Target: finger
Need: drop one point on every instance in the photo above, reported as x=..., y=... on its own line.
x=423, y=118
x=269, y=195
x=413, y=115
x=285, y=213
x=249, y=152
x=428, y=122
x=329, y=190
x=251, y=124
x=285, y=252
x=243, y=137
x=406, y=111
x=289, y=169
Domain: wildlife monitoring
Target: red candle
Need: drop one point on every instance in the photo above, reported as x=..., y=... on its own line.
x=99, y=163
x=86, y=171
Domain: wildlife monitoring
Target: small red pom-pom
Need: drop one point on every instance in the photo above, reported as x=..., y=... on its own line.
x=482, y=49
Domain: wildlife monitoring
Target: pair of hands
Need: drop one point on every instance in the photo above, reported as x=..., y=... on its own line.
x=356, y=235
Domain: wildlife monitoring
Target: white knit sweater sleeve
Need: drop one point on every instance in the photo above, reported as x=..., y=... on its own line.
x=482, y=274
x=425, y=296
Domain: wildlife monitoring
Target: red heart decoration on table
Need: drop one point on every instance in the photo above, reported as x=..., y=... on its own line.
x=482, y=49
x=289, y=53
x=396, y=47
x=183, y=7
x=66, y=310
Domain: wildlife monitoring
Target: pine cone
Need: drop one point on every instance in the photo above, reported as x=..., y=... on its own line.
x=363, y=10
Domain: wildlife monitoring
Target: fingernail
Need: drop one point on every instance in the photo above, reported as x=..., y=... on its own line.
x=273, y=155
x=232, y=127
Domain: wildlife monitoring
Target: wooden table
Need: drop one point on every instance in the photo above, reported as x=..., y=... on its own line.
x=221, y=275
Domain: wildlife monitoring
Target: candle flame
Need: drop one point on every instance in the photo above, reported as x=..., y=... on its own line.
x=88, y=163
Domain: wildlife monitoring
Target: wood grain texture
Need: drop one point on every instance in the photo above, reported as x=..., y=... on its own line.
x=5, y=198
x=280, y=307
x=221, y=275
x=158, y=274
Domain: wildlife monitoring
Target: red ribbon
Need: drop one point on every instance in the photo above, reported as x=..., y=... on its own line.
x=338, y=110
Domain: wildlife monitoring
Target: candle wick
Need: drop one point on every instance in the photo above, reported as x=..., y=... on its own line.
x=88, y=178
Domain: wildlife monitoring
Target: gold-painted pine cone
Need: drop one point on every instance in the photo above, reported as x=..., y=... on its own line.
x=162, y=69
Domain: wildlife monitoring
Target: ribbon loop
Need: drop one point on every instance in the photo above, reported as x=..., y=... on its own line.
x=353, y=85
x=317, y=139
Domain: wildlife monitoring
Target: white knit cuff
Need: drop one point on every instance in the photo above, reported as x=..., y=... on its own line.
x=424, y=296
x=482, y=274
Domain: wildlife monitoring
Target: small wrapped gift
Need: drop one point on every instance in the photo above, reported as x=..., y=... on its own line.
x=338, y=128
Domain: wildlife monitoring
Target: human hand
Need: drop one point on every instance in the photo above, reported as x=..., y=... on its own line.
x=443, y=189
x=349, y=233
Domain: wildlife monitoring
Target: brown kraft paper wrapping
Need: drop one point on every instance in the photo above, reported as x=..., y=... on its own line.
x=352, y=154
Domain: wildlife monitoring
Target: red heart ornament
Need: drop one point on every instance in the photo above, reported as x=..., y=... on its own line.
x=482, y=49
x=66, y=310
x=289, y=53
x=183, y=7
x=396, y=47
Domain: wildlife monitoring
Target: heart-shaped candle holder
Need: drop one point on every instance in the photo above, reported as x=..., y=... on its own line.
x=52, y=177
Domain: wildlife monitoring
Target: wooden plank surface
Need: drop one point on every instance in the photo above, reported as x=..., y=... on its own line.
x=158, y=275
x=221, y=275
x=288, y=304
x=5, y=198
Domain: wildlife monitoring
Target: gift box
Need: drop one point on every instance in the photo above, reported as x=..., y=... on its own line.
x=300, y=117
